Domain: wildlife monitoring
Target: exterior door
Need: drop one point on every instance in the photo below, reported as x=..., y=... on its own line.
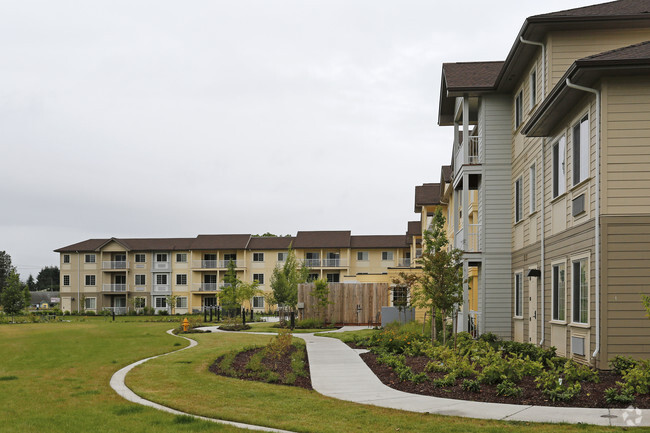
x=532, y=310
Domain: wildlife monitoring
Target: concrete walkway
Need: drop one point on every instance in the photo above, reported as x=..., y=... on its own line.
x=117, y=383
x=337, y=371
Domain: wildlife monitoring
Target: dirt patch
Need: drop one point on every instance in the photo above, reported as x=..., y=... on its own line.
x=591, y=395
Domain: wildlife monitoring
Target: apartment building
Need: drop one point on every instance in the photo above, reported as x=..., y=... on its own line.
x=129, y=274
x=553, y=143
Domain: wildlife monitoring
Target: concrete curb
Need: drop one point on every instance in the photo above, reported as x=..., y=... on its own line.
x=118, y=384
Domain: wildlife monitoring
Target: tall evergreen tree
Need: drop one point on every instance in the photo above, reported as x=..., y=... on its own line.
x=48, y=278
x=5, y=269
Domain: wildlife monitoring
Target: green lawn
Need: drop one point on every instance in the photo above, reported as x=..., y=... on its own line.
x=54, y=378
x=182, y=381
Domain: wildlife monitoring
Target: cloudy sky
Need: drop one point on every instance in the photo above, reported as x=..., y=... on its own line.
x=170, y=119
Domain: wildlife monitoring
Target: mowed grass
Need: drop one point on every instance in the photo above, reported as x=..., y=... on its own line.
x=182, y=381
x=55, y=378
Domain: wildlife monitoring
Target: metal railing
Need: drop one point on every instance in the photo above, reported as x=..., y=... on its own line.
x=473, y=323
x=114, y=288
x=205, y=264
x=334, y=263
x=226, y=263
x=312, y=263
x=207, y=287
x=473, y=238
x=115, y=264
x=404, y=263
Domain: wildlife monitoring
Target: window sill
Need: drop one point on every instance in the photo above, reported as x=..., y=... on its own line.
x=533, y=213
x=518, y=318
x=580, y=325
x=580, y=184
x=558, y=322
x=558, y=198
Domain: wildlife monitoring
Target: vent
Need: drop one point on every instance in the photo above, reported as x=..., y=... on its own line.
x=578, y=345
x=578, y=205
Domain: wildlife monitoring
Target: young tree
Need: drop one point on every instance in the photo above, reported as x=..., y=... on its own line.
x=285, y=280
x=440, y=286
x=48, y=278
x=171, y=303
x=321, y=293
x=15, y=297
x=404, y=283
x=246, y=292
x=229, y=292
x=5, y=269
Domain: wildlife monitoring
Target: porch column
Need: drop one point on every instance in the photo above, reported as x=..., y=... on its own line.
x=465, y=129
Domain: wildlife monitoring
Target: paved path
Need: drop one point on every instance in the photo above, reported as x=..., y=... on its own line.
x=117, y=383
x=337, y=371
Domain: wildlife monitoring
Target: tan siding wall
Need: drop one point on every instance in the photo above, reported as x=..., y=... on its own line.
x=625, y=277
x=626, y=154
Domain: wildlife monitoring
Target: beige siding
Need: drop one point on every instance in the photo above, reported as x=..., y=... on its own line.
x=626, y=154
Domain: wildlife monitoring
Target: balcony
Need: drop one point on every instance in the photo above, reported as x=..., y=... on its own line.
x=206, y=287
x=162, y=289
x=473, y=152
x=404, y=263
x=312, y=263
x=469, y=240
x=226, y=263
x=161, y=266
x=335, y=263
x=114, y=288
x=204, y=264
x=115, y=265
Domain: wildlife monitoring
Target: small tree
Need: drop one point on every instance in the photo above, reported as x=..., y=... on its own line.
x=171, y=303
x=321, y=293
x=440, y=286
x=404, y=282
x=229, y=296
x=15, y=296
x=285, y=280
x=247, y=291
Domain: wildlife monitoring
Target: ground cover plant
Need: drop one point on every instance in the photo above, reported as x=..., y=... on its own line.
x=488, y=369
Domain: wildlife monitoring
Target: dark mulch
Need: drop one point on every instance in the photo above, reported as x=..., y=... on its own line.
x=280, y=366
x=591, y=395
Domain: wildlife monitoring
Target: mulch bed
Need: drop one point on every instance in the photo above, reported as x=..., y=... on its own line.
x=591, y=395
x=280, y=366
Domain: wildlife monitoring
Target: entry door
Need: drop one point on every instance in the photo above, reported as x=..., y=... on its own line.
x=532, y=310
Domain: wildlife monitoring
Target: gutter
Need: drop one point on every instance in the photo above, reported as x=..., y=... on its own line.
x=597, y=216
x=539, y=44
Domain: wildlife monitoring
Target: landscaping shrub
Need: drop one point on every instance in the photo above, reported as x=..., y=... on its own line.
x=280, y=345
x=394, y=340
x=471, y=385
x=508, y=389
x=311, y=323
x=448, y=380
x=637, y=379
x=531, y=351
x=619, y=396
x=622, y=364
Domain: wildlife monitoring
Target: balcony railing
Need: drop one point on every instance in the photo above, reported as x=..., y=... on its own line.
x=335, y=263
x=120, y=288
x=207, y=287
x=473, y=152
x=161, y=266
x=116, y=310
x=312, y=263
x=226, y=263
x=162, y=288
x=469, y=240
x=115, y=264
x=205, y=264
x=404, y=263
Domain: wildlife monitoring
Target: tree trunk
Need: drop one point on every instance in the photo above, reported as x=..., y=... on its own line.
x=455, y=327
x=444, y=327
x=433, y=325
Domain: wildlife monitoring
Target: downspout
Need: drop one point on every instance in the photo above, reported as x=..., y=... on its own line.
x=542, y=252
x=539, y=44
x=542, y=244
x=597, y=216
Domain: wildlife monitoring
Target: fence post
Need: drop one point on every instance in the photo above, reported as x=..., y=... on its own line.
x=252, y=318
x=205, y=315
x=293, y=320
x=211, y=313
x=243, y=317
x=218, y=314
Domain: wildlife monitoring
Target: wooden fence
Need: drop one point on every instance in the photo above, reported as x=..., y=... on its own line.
x=344, y=299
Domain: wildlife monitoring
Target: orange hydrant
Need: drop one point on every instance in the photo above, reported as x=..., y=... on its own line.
x=186, y=325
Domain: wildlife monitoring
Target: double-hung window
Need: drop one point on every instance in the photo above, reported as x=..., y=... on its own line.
x=519, y=294
x=533, y=87
x=362, y=256
x=533, y=188
x=559, y=292
x=140, y=279
x=258, y=257
x=559, y=167
x=181, y=279
x=519, y=115
x=580, y=291
x=581, y=150
x=386, y=255
x=519, y=199
x=90, y=280
x=259, y=278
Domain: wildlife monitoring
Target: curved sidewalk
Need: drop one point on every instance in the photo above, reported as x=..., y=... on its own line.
x=338, y=371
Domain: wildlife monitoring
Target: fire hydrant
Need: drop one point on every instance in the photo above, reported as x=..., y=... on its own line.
x=186, y=325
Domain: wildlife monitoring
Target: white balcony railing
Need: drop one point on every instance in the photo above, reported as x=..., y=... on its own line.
x=404, y=263
x=115, y=265
x=469, y=240
x=116, y=310
x=207, y=287
x=226, y=263
x=335, y=263
x=312, y=263
x=162, y=288
x=120, y=288
x=162, y=266
x=473, y=152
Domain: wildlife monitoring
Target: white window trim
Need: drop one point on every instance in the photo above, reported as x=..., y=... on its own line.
x=66, y=259
x=388, y=253
x=519, y=273
x=88, y=256
x=94, y=307
x=181, y=254
x=586, y=257
x=181, y=284
x=255, y=279
x=553, y=265
x=585, y=154
x=140, y=254
x=179, y=300
x=263, y=301
x=519, y=109
x=561, y=177
x=140, y=297
x=519, y=199
x=64, y=277
x=258, y=261
x=367, y=256
x=532, y=188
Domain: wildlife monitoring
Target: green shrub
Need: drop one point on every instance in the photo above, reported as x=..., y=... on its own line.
x=524, y=350
x=508, y=389
x=311, y=323
x=637, y=379
x=280, y=345
x=395, y=339
x=471, y=385
x=448, y=380
x=574, y=372
x=619, y=396
x=90, y=313
x=622, y=364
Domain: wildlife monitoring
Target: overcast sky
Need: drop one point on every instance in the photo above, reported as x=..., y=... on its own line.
x=172, y=119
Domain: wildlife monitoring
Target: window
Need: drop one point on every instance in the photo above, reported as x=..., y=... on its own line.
x=581, y=150
x=282, y=257
x=387, y=255
x=258, y=257
x=90, y=303
x=181, y=279
x=89, y=258
x=181, y=258
x=66, y=258
x=161, y=302
x=66, y=280
x=161, y=278
x=161, y=257
x=333, y=278
x=258, y=301
x=181, y=302
x=533, y=188
x=519, y=199
x=90, y=280
x=230, y=257
x=312, y=277
x=400, y=296
x=580, y=293
x=362, y=256
x=533, y=87
x=518, y=108
x=259, y=278
x=140, y=279
x=559, y=167
x=140, y=258
x=559, y=292
x=139, y=302
x=519, y=299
